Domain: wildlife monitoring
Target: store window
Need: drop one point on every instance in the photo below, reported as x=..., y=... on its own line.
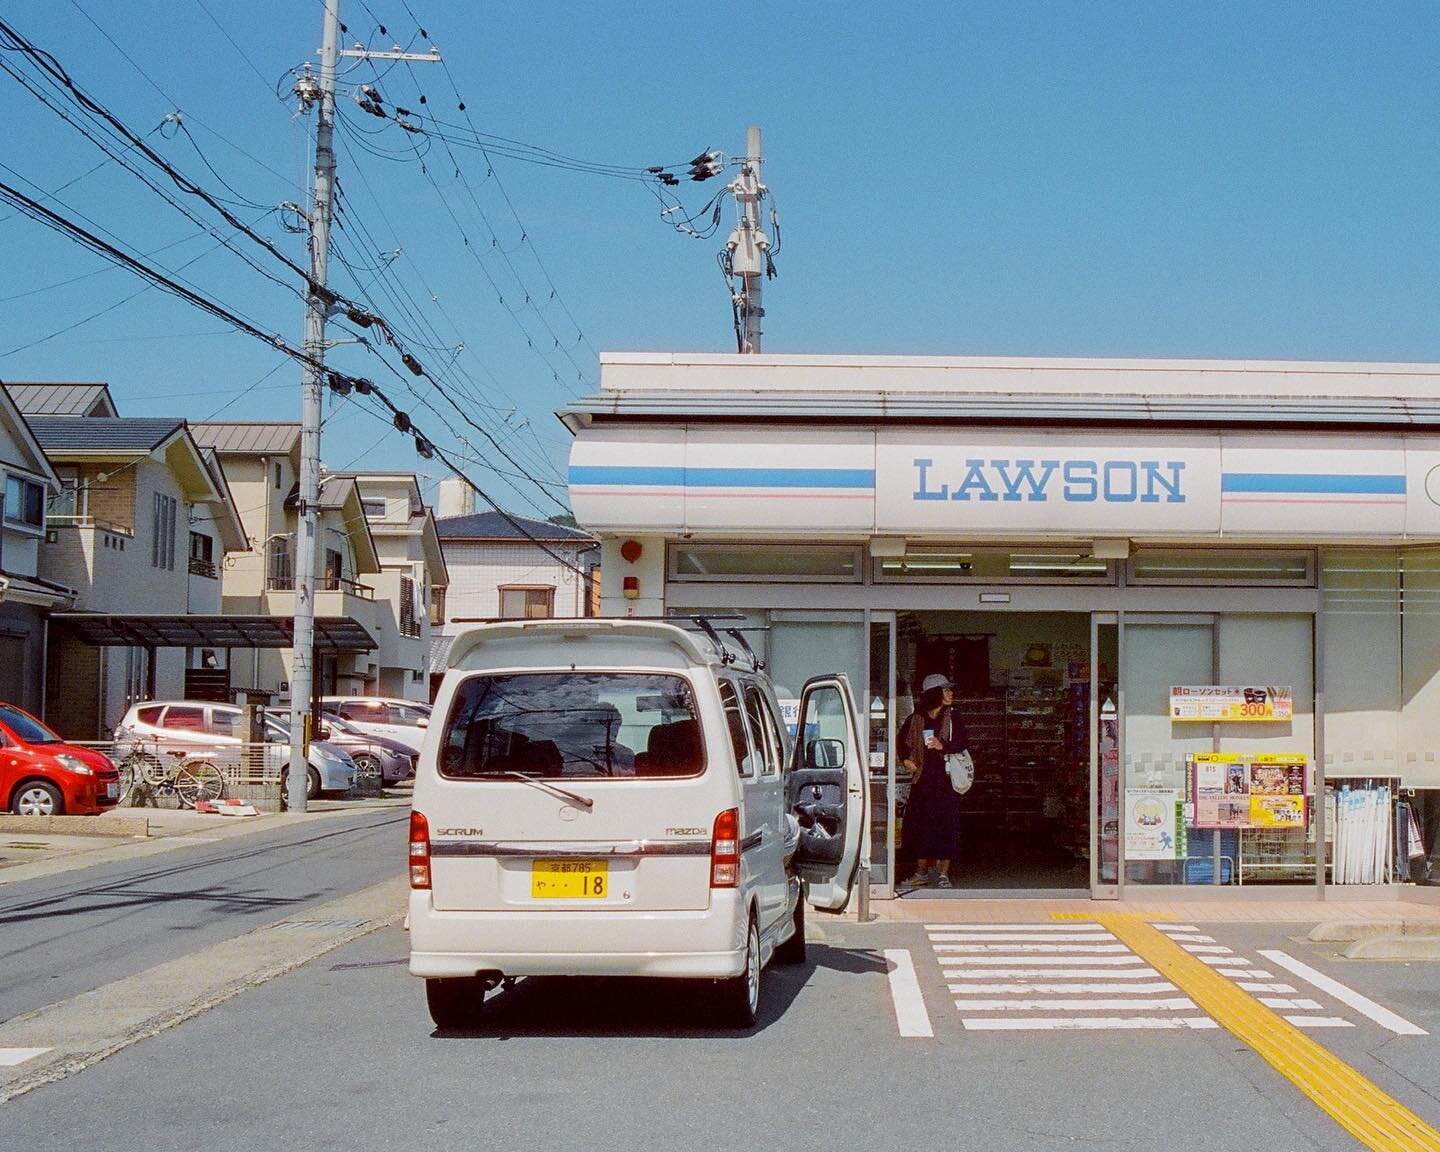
x=527, y=603
x=793, y=563
x=943, y=564
x=1287, y=568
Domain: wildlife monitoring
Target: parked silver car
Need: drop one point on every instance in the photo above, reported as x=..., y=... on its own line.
x=377, y=757
x=201, y=726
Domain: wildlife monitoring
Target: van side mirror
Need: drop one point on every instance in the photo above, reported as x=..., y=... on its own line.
x=825, y=754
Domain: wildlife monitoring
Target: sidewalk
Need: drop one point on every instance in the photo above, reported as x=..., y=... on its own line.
x=26, y=855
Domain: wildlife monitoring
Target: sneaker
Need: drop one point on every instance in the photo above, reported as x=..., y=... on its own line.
x=919, y=880
x=943, y=882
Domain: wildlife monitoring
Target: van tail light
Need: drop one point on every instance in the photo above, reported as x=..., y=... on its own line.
x=725, y=850
x=419, y=851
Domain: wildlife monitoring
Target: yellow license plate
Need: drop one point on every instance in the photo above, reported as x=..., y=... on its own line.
x=569, y=879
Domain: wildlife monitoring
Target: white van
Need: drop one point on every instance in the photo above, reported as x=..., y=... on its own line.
x=621, y=798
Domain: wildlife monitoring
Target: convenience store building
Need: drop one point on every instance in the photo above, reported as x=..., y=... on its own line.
x=1068, y=541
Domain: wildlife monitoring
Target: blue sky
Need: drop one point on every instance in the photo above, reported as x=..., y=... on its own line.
x=1250, y=180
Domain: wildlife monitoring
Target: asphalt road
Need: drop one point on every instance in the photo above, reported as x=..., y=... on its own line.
x=75, y=931
x=341, y=1055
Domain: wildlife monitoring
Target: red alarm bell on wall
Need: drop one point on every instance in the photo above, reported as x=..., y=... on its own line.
x=630, y=550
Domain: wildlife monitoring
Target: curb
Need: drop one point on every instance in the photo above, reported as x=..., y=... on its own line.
x=109, y=824
x=1343, y=931
x=1408, y=947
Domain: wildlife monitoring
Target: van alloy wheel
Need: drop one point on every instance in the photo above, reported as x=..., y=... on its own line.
x=738, y=997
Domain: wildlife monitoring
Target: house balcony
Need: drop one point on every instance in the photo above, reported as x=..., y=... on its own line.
x=335, y=598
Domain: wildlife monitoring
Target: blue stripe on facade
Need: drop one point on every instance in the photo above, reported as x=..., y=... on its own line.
x=639, y=477
x=1288, y=482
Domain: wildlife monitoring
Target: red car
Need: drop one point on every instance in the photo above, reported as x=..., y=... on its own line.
x=41, y=775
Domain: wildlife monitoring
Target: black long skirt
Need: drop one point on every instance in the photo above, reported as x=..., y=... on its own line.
x=932, y=815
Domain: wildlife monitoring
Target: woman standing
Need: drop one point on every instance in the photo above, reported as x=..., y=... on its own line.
x=931, y=832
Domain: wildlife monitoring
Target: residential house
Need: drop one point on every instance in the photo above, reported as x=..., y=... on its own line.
x=25, y=595
x=138, y=500
x=412, y=575
x=507, y=566
x=40, y=399
x=261, y=462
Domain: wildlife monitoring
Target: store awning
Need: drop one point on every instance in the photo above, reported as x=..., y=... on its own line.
x=159, y=630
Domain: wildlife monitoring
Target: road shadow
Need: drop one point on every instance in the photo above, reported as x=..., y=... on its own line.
x=561, y=1006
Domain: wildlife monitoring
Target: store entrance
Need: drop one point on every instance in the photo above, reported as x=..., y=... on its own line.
x=1022, y=685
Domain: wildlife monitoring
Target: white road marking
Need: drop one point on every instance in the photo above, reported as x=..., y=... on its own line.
x=1292, y=1005
x=9, y=1057
x=1012, y=937
x=1207, y=949
x=1145, y=973
x=1220, y=961
x=1027, y=948
x=992, y=989
x=910, y=1012
x=1193, y=937
x=1261, y=986
x=1067, y=926
x=1346, y=995
x=1083, y=1023
x=1168, y=928
x=1056, y=960
x=1174, y=1003
x=1247, y=973
x=1319, y=1022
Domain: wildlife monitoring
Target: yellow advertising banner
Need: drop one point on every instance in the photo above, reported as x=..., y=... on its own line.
x=1255, y=790
x=1213, y=703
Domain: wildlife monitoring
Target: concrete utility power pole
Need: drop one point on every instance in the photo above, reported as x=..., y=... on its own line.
x=321, y=95
x=749, y=246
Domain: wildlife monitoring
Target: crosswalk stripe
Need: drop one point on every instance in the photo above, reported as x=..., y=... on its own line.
x=1060, y=928
x=1220, y=961
x=1247, y=973
x=1174, y=1003
x=992, y=989
x=1207, y=949
x=1168, y=929
x=1262, y=986
x=9, y=1057
x=1145, y=973
x=1026, y=948
x=1012, y=937
x=1193, y=937
x=1319, y=1022
x=1345, y=994
x=1118, y=961
x=1083, y=1023
x=910, y=1014
x=1292, y=1004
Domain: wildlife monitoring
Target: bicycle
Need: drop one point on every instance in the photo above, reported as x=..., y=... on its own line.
x=190, y=776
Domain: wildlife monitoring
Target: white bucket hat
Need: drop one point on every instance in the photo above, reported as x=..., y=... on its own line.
x=935, y=680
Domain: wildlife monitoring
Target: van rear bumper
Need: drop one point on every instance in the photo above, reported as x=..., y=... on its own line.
x=704, y=944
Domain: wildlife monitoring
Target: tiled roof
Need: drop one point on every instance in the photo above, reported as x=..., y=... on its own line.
x=494, y=526
x=46, y=399
x=103, y=433
x=247, y=437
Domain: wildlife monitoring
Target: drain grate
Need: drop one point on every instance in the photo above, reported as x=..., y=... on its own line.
x=312, y=925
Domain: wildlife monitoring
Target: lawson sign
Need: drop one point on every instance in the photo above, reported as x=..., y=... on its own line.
x=1076, y=484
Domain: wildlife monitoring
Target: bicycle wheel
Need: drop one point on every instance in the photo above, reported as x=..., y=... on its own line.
x=131, y=773
x=198, y=780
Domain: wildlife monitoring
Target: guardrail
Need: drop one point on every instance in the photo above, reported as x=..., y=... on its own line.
x=323, y=584
x=200, y=567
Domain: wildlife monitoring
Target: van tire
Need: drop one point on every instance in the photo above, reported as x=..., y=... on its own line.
x=457, y=1003
x=738, y=997
x=793, y=950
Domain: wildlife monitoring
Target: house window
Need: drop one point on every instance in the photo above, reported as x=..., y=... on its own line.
x=202, y=555
x=527, y=603
x=437, y=606
x=277, y=476
x=24, y=502
x=334, y=569
x=281, y=572
x=374, y=509
x=409, y=619
x=162, y=545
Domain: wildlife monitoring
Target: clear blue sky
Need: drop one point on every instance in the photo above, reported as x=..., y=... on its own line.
x=1128, y=179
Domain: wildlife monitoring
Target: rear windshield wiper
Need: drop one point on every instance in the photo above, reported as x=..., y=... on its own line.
x=534, y=782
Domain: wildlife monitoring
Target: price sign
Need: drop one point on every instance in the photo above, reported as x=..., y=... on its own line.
x=1211, y=703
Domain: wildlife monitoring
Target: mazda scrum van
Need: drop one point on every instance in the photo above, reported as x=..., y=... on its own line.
x=621, y=798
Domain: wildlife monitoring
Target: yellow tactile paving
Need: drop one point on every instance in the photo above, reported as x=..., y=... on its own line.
x=1376, y=1119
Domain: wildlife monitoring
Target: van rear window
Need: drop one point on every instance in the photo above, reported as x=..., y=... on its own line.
x=573, y=726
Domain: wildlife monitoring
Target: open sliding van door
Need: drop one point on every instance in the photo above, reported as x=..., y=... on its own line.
x=826, y=792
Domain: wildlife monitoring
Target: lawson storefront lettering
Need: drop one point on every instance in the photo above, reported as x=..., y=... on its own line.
x=1073, y=481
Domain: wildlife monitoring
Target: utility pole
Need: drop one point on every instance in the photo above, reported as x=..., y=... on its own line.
x=748, y=248
x=318, y=303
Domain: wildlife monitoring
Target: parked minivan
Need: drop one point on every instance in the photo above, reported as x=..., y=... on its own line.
x=621, y=798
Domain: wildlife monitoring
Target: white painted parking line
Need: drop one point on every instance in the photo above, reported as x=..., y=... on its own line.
x=910, y=1012
x=9, y=1057
x=1013, y=937
x=1346, y=995
x=1319, y=1022
x=1292, y=1004
x=1146, y=973
x=1262, y=986
x=1084, y=1023
x=1000, y=989
x=1171, y=1004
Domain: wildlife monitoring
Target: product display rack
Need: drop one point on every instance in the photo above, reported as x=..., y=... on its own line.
x=1036, y=751
x=984, y=720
